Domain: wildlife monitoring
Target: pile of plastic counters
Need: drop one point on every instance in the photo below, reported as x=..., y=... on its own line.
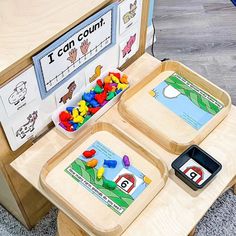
x=92, y=101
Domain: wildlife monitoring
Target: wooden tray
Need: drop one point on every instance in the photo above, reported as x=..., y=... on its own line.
x=90, y=210
x=160, y=123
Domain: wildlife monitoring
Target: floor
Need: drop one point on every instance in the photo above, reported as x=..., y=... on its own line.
x=202, y=35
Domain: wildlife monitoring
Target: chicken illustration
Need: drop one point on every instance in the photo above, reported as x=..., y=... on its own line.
x=98, y=71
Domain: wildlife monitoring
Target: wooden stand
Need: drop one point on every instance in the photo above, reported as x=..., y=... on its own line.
x=17, y=47
x=175, y=197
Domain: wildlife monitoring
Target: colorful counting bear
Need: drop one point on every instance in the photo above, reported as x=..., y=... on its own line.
x=100, y=172
x=115, y=79
x=124, y=79
x=89, y=153
x=108, y=184
x=93, y=110
x=83, y=109
x=122, y=86
x=110, y=95
x=126, y=161
x=65, y=118
x=117, y=75
x=88, y=97
x=107, y=79
x=98, y=89
x=110, y=163
x=100, y=98
x=93, y=163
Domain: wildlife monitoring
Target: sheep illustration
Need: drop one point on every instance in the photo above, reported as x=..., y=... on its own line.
x=71, y=88
x=18, y=94
x=27, y=127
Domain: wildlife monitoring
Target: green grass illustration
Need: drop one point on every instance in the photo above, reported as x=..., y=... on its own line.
x=196, y=98
x=90, y=174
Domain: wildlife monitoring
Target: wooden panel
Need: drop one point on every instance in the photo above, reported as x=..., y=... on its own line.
x=7, y=199
x=176, y=197
x=65, y=226
x=35, y=25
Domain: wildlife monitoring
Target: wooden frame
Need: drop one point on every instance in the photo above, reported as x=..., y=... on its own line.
x=157, y=172
x=174, y=138
x=17, y=57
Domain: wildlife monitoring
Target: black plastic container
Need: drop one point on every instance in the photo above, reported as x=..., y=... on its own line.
x=193, y=175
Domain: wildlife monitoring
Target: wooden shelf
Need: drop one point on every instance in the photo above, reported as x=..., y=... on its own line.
x=176, y=209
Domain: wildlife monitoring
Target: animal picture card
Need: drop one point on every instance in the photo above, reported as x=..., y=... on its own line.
x=66, y=92
x=27, y=124
x=69, y=54
x=19, y=92
x=195, y=171
x=129, y=13
x=105, y=62
x=128, y=47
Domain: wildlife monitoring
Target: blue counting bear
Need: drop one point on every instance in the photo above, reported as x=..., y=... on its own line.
x=94, y=103
x=110, y=163
x=88, y=97
x=70, y=109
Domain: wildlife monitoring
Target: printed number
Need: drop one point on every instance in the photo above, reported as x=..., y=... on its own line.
x=125, y=184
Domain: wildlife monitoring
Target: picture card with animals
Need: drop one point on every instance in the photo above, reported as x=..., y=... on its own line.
x=129, y=13
x=69, y=54
x=68, y=90
x=103, y=63
x=19, y=92
x=128, y=47
x=27, y=124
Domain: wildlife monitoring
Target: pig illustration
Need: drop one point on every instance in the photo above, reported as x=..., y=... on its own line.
x=128, y=47
x=18, y=94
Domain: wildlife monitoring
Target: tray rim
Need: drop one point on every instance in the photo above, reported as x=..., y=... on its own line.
x=62, y=154
x=169, y=143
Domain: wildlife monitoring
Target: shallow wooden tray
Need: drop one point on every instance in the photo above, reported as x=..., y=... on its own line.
x=98, y=217
x=157, y=121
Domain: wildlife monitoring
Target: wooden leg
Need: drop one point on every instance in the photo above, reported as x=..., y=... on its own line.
x=234, y=188
x=66, y=227
x=192, y=232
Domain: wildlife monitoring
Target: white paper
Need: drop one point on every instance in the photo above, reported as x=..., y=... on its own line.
x=19, y=92
x=195, y=171
x=129, y=13
x=128, y=47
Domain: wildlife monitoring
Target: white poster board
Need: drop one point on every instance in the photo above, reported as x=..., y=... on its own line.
x=75, y=49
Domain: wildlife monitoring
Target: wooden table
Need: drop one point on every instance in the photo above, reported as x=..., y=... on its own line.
x=176, y=209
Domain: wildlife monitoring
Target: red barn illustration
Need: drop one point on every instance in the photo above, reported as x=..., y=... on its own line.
x=190, y=172
x=126, y=182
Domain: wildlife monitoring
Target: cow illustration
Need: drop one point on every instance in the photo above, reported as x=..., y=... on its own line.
x=18, y=94
x=128, y=46
x=71, y=88
x=29, y=126
x=130, y=14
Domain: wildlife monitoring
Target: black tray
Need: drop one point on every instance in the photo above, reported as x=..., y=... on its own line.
x=193, y=175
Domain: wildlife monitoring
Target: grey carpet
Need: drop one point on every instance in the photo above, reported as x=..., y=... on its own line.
x=202, y=35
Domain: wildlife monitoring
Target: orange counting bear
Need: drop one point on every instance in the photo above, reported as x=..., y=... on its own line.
x=92, y=163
